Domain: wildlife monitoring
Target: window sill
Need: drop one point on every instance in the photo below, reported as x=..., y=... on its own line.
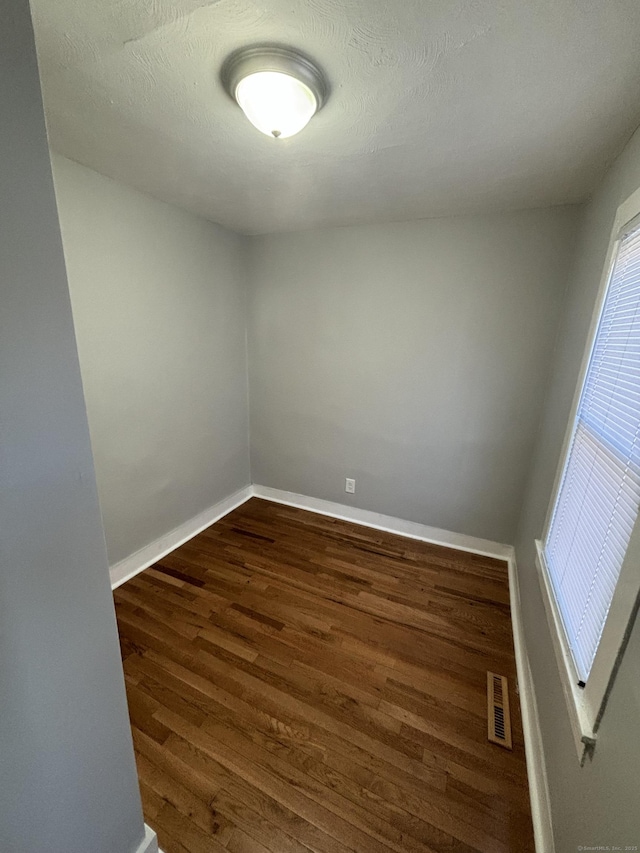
x=582, y=726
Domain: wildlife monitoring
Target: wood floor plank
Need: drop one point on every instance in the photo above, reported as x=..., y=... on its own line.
x=245, y=795
x=298, y=683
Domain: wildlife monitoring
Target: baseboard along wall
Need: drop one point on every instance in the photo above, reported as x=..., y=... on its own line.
x=149, y=843
x=388, y=523
x=534, y=750
x=168, y=542
x=536, y=771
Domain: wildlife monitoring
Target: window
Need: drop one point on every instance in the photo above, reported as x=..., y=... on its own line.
x=589, y=558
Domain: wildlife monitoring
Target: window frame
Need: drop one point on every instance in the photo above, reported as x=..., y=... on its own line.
x=586, y=704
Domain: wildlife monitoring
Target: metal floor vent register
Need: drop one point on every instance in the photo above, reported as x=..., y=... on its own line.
x=499, y=718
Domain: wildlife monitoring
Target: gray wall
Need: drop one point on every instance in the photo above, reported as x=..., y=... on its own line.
x=67, y=778
x=598, y=804
x=158, y=301
x=411, y=356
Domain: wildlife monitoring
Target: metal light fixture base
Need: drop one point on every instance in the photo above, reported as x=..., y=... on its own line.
x=273, y=57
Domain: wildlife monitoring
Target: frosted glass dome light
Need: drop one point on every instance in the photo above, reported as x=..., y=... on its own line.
x=278, y=89
x=275, y=103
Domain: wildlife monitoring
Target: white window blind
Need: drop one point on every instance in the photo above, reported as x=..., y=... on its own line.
x=599, y=493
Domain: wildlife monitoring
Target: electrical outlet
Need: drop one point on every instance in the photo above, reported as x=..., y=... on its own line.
x=350, y=486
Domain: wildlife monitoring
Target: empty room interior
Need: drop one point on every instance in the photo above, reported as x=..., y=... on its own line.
x=319, y=426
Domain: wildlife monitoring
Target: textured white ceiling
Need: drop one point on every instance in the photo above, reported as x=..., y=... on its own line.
x=437, y=106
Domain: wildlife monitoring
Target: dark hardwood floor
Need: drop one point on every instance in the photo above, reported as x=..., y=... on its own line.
x=298, y=683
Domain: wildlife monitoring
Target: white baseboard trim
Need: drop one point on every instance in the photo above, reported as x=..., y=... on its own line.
x=154, y=551
x=149, y=842
x=150, y=554
x=536, y=769
x=388, y=523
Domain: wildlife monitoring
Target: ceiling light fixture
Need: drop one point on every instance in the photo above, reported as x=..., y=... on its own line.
x=278, y=89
